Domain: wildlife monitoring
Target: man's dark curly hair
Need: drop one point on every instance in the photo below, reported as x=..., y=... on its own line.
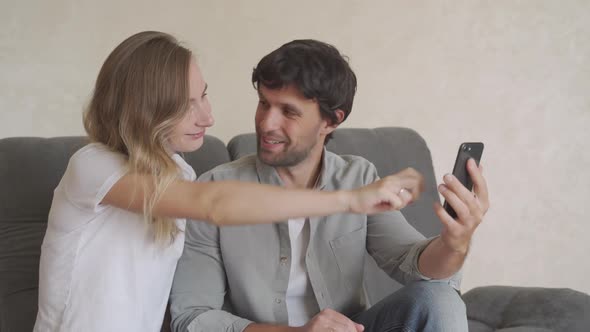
x=317, y=69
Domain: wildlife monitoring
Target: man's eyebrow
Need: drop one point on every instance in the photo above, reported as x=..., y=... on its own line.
x=292, y=107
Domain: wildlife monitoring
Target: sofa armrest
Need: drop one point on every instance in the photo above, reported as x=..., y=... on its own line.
x=494, y=308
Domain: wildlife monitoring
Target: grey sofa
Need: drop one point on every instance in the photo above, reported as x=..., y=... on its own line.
x=31, y=167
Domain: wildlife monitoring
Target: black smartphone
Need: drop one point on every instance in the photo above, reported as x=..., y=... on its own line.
x=466, y=151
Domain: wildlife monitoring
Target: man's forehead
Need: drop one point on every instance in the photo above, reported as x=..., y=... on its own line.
x=285, y=91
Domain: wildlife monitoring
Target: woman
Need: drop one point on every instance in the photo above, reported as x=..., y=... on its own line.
x=115, y=228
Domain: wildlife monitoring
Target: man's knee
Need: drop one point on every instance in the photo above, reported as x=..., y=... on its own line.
x=435, y=297
x=420, y=306
x=435, y=306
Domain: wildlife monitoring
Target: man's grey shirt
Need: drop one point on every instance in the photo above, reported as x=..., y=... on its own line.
x=245, y=269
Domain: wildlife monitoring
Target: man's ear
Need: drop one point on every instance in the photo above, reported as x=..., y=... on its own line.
x=330, y=127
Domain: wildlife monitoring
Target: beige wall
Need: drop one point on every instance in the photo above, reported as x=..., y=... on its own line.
x=513, y=74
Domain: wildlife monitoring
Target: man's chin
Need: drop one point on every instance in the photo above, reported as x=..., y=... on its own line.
x=266, y=157
x=270, y=159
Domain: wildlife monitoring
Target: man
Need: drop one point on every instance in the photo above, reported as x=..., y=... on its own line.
x=306, y=274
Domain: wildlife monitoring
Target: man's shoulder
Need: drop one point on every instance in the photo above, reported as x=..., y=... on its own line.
x=348, y=170
x=233, y=169
x=347, y=162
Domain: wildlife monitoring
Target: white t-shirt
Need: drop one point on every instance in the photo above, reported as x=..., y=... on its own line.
x=301, y=302
x=101, y=269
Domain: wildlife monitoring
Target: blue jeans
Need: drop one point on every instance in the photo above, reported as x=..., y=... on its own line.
x=419, y=306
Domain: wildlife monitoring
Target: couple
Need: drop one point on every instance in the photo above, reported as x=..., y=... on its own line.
x=118, y=244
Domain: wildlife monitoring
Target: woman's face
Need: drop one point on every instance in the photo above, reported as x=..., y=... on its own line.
x=187, y=135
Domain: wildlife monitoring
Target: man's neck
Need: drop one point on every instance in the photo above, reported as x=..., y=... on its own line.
x=305, y=174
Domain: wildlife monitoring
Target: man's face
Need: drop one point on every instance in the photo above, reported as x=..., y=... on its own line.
x=288, y=126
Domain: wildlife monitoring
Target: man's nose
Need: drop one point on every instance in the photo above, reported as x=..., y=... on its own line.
x=269, y=120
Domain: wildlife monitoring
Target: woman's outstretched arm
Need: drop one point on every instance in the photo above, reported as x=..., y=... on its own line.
x=237, y=203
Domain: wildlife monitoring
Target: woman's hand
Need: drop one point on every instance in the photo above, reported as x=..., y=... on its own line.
x=393, y=192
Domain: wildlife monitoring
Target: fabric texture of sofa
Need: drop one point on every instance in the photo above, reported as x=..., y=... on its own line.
x=31, y=167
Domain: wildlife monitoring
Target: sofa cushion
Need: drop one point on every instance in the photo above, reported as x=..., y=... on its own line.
x=513, y=309
x=30, y=169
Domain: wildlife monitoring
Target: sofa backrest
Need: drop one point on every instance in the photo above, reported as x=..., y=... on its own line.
x=30, y=169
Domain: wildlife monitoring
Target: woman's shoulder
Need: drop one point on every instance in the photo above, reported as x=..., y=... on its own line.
x=95, y=149
x=95, y=158
x=91, y=172
x=93, y=153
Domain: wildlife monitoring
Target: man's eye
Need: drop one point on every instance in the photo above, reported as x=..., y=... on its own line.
x=289, y=112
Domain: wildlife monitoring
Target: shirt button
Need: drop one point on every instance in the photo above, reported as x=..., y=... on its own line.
x=283, y=260
x=278, y=301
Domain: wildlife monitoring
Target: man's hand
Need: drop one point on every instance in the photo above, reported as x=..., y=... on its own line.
x=393, y=192
x=329, y=320
x=469, y=206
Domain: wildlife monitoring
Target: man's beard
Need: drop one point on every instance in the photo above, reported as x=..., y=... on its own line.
x=288, y=158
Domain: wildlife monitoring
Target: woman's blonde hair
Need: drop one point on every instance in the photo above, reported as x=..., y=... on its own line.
x=141, y=92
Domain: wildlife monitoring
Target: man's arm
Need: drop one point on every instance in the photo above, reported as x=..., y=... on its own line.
x=199, y=286
x=271, y=328
x=445, y=255
x=396, y=245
